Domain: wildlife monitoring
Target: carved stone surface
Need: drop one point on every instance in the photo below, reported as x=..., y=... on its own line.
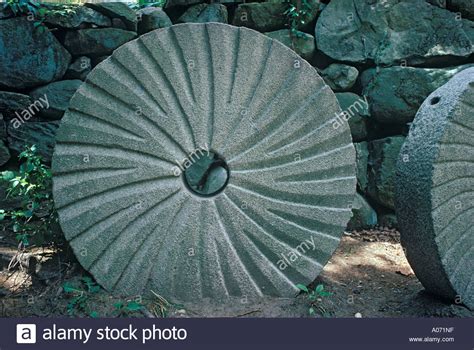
x=434, y=191
x=133, y=129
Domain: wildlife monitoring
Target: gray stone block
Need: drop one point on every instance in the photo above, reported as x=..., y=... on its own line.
x=58, y=95
x=79, y=68
x=357, y=111
x=36, y=59
x=96, y=42
x=362, y=158
x=41, y=134
x=264, y=17
x=396, y=93
x=434, y=191
x=11, y=102
x=151, y=18
x=203, y=13
x=302, y=43
x=132, y=129
x=340, y=77
x=363, y=215
x=119, y=10
x=393, y=32
x=383, y=155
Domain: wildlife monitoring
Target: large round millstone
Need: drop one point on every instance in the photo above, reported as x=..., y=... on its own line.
x=204, y=160
x=435, y=191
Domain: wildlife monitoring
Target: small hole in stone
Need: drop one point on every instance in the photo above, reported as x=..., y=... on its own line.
x=435, y=100
x=206, y=173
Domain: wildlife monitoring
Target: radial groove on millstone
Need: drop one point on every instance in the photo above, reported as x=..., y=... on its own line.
x=131, y=129
x=434, y=191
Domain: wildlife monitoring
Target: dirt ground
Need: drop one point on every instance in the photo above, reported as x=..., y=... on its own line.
x=368, y=276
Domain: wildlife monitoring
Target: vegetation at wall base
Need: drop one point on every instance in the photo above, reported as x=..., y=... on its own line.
x=296, y=15
x=35, y=220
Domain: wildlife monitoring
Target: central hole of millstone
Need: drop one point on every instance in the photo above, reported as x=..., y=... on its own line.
x=206, y=174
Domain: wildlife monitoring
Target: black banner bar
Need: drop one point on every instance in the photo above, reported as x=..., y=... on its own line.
x=176, y=333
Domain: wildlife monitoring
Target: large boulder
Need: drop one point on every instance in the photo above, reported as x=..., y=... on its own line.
x=77, y=17
x=96, y=42
x=363, y=215
x=11, y=102
x=340, y=77
x=382, y=165
x=303, y=44
x=203, y=13
x=357, y=110
x=396, y=93
x=151, y=18
x=119, y=10
x=41, y=134
x=58, y=95
x=362, y=158
x=29, y=57
x=393, y=32
x=264, y=17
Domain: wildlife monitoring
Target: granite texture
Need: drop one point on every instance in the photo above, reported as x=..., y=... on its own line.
x=434, y=197
x=131, y=219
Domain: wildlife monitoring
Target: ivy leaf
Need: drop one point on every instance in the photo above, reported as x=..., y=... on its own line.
x=134, y=306
x=302, y=287
x=7, y=175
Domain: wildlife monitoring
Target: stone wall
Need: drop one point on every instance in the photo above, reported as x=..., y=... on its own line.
x=382, y=59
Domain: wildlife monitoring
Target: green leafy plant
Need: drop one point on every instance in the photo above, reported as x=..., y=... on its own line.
x=35, y=218
x=22, y=7
x=297, y=14
x=315, y=297
x=80, y=296
x=29, y=8
x=125, y=309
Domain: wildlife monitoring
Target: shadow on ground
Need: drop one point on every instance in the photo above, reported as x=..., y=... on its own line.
x=368, y=276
